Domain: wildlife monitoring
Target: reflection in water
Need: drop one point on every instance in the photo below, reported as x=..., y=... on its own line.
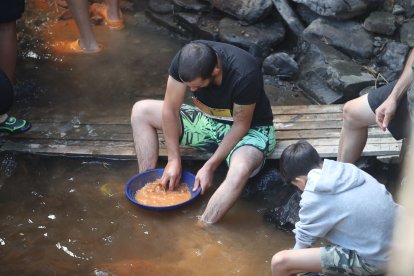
x=61, y=215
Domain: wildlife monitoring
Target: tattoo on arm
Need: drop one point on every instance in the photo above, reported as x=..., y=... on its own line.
x=238, y=111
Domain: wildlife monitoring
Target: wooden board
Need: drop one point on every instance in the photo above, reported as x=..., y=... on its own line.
x=112, y=137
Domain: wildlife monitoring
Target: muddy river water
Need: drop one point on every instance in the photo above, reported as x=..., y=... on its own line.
x=69, y=215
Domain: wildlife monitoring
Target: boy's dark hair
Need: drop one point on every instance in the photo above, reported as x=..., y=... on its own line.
x=196, y=60
x=298, y=159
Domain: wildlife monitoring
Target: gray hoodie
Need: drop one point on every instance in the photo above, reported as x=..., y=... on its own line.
x=349, y=208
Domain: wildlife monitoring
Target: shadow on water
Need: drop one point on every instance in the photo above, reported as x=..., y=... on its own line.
x=69, y=215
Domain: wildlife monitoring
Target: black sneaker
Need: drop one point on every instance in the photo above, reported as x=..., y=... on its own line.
x=13, y=125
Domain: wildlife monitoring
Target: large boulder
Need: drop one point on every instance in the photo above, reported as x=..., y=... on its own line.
x=341, y=9
x=348, y=37
x=390, y=62
x=258, y=39
x=407, y=33
x=380, y=23
x=245, y=10
x=328, y=76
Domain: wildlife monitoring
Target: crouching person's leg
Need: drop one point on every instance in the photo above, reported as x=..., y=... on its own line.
x=290, y=262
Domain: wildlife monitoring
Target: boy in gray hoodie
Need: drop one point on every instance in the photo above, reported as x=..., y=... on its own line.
x=341, y=204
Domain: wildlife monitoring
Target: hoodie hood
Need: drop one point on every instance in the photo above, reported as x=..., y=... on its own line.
x=335, y=177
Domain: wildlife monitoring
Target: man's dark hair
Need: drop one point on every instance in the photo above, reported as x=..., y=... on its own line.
x=298, y=159
x=196, y=60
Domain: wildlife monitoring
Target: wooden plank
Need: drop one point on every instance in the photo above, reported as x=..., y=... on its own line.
x=284, y=118
x=326, y=147
x=116, y=149
x=285, y=134
x=303, y=109
x=112, y=137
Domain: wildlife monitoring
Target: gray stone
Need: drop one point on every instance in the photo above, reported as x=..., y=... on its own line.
x=245, y=10
x=390, y=62
x=306, y=14
x=340, y=9
x=160, y=6
x=167, y=21
x=290, y=17
x=328, y=76
x=407, y=33
x=191, y=5
x=257, y=39
x=380, y=23
x=349, y=37
x=201, y=26
x=286, y=213
x=398, y=9
x=281, y=65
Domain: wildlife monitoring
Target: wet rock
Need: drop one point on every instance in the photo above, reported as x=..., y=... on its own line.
x=340, y=9
x=245, y=10
x=286, y=214
x=398, y=9
x=380, y=23
x=408, y=7
x=391, y=60
x=407, y=33
x=348, y=37
x=168, y=21
x=268, y=180
x=328, y=76
x=306, y=14
x=290, y=17
x=200, y=26
x=191, y=5
x=281, y=65
x=160, y=6
x=258, y=39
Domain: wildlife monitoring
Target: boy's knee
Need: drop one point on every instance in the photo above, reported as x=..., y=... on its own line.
x=279, y=262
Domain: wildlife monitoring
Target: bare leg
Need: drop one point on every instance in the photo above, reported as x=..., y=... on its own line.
x=80, y=12
x=8, y=50
x=146, y=118
x=357, y=116
x=291, y=262
x=114, y=12
x=244, y=161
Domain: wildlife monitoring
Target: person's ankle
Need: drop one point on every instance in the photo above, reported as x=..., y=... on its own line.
x=88, y=45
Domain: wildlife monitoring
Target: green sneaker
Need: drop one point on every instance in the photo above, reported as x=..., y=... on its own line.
x=14, y=125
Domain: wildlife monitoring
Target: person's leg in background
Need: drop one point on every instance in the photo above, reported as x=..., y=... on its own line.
x=111, y=13
x=87, y=42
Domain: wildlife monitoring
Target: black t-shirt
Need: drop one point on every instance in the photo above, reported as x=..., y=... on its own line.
x=242, y=84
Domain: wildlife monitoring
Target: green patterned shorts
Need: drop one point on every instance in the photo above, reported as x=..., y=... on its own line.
x=202, y=132
x=336, y=260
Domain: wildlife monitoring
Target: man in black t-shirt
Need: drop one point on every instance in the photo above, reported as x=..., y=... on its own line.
x=231, y=118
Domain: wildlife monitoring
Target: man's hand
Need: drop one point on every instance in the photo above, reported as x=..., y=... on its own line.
x=204, y=178
x=172, y=175
x=385, y=112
